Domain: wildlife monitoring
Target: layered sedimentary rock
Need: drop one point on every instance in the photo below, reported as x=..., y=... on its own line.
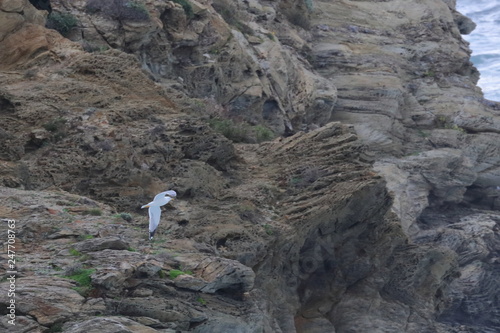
x=329, y=228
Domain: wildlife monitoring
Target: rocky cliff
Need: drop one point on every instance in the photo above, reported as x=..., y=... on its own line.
x=374, y=209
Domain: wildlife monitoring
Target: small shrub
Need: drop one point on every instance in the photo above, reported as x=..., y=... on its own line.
x=201, y=301
x=119, y=9
x=271, y=36
x=84, y=281
x=61, y=22
x=236, y=132
x=173, y=273
x=444, y=122
x=268, y=229
x=440, y=121
x=93, y=212
x=82, y=277
x=429, y=74
x=455, y=127
x=84, y=237
x=75, y=252
x=263, y=133
x=55, y=125
x=188, y=9
x=126, y=216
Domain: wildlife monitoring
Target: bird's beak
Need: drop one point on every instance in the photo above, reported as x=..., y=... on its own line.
x=145, y=206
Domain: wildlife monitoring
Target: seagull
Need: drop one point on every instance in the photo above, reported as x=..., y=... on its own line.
x=155, y=211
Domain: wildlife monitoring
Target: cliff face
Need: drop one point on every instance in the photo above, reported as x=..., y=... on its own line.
x=373, y=211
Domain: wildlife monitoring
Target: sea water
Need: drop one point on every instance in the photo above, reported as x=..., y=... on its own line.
x=485, y=42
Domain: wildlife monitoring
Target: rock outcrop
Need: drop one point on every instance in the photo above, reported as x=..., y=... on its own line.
x=374, y=210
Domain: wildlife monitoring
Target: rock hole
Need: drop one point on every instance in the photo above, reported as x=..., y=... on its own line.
x=31, y=146
x=6, y=106
x=269, y=109
x=221, y=242
x=42, y=5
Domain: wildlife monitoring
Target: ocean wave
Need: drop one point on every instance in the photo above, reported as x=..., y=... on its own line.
x=485, y=42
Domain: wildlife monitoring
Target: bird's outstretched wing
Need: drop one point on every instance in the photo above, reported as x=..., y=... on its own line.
x=154, y=217
x=171, y=193
x=161, y=195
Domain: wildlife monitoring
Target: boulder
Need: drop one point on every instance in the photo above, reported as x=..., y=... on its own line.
x=99, y=244
x=47, y=299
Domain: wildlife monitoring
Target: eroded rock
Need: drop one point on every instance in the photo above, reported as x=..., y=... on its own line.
x=99, y=244
x=112, y=324
x=47, y=299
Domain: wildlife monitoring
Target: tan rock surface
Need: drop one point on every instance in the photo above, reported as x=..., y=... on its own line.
x=294, y=235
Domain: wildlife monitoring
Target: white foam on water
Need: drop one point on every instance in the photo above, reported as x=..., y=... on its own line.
x=485, y=42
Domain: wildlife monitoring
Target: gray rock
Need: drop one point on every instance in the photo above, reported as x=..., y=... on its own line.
x=111, y=324
x=465, y=24
x=215, y=274
x=99, y=244
x=47, y=299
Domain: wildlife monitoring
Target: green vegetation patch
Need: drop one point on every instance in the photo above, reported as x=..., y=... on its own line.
x=126, y=216
x=84, y=237
x=75, y=252
x=61, y=22
x=241, y=131
x=188, y=9
x=268, y=229
x=173, y=273
x=82, y=277
x=236, y=132
x=263, y=133
x=55, y=125
x=119, y=9
x=93, y=212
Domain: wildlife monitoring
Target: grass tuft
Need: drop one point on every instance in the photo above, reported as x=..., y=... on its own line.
x=173, y=273
x=93, y=212
x=75, y=252
x=82, y=277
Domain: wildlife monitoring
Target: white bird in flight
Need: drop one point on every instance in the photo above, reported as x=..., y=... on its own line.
x=155, y=211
